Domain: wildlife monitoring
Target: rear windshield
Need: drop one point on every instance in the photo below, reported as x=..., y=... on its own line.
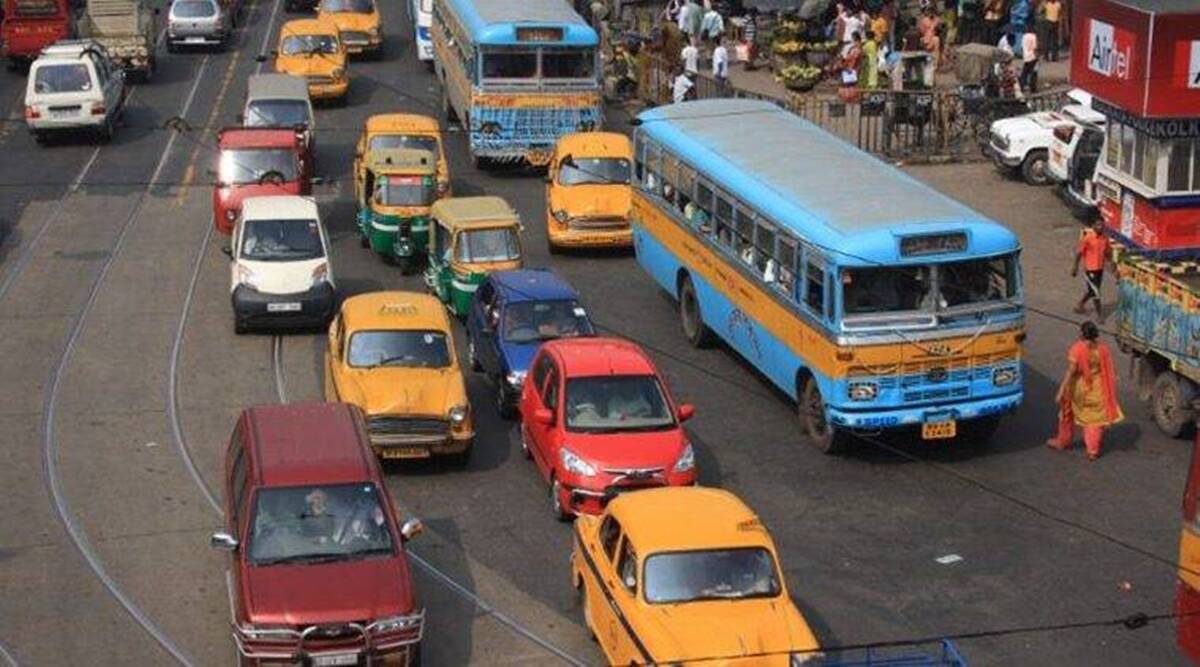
x=416, y=141
x=295, y=45
x=277, y=113
x=489, y=245
x=193, y=9
x=66, y=78
x=357, y=6
x=257, y=165
x=405, y=190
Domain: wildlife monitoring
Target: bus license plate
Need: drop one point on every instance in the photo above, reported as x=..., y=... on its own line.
x=939, y=430
x=284, y=307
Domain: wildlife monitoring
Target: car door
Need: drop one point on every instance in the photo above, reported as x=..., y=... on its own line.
x=625, y=646
x=546, y=435
x=599, y=558
x=235, y=251
x=334, y=354
x=1087, y=154
x=531, y=400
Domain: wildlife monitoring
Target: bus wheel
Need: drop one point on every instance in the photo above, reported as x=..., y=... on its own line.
x=817, y=430
x=694, y=328
x=1172, y=403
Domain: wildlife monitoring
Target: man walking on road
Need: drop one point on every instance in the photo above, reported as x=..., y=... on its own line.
x=1029, y=60
x=1093, y=250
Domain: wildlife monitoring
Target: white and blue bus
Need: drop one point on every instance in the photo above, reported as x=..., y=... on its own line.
x=872, y=300
x=421, y=13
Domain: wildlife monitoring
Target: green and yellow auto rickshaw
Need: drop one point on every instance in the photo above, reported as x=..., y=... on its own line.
x=470, y=237
x=393, y=193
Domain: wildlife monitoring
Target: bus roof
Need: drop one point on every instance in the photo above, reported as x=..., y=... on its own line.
x=817, y=186
x=495, y=22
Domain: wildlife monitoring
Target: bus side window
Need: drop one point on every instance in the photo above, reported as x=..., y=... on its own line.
x=785, y=256
x=744, y=226
x=764, y=259
x=701, y=214
x=654, y=181
x=724, y=222
x=639, y=156
x=814, y=288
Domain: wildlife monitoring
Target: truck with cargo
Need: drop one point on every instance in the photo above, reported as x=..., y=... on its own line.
x=31, y=25
x=127, y=28
x=1158, y=322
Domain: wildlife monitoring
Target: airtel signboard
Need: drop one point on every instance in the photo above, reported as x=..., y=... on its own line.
x=1110, y=49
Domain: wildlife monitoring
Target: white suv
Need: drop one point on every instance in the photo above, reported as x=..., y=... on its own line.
x=279, y=273
x=74, y=85
x=1022, y=143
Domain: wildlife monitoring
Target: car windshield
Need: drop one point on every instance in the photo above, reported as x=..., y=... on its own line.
x=72, y=78
x=415, y=141
x=567, y=63
x=610, y=403
x=356, y=6
x=193, y=9
x=593, y=170
x=411, y=349
x=281, y=240
x=294, y=45
x=256, y=165
x=895, y=289
x=529, y=321
x=489, y=245
x=405, y=190
x=719, y=574
x=318, y=524
x=277, y=113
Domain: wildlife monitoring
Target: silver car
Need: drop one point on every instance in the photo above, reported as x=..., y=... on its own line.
x=197, y=23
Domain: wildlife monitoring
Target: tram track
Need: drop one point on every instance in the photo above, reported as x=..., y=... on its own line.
x=7, y=658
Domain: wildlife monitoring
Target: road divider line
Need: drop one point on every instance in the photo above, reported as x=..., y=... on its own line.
x=277, y=367
x=53, y=479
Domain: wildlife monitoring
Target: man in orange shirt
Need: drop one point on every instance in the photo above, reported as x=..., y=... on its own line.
x=1093, y=250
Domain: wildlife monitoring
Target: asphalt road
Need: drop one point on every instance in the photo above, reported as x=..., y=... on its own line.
x=116, y=370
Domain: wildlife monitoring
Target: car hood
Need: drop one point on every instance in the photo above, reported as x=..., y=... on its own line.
x=353, y=21
x=1030, y=123
x=518, y=356
x=309, y=65
x=283, y=277
x=232, y=195
x=405, y=391
x=729, y=628
x=638, y=449
x=300, y=595
x=592, y=201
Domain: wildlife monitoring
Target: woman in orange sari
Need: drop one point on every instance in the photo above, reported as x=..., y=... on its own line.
x=1088, y=394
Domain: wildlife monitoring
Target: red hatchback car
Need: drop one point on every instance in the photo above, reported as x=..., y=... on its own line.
x=318, y=573
x=254, y=163
x=598, y=420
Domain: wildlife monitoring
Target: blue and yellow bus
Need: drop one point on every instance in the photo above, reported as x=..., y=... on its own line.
x=518, y=74
x=870, y=299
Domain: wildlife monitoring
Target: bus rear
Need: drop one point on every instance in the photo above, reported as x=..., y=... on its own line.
x=32, y=25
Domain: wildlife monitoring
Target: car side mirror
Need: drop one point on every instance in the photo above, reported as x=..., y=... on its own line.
x=630, y=583
x=227, y=251
x=686, y=412
x=543, y=416
x=260, y=58
x=411, y=529
x=223, y=541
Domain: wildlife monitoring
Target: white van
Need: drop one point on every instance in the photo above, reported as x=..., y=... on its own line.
x=74, y=85
x=421, y=12
x=279, y=265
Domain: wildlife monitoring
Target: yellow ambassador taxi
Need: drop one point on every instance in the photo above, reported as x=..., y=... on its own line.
x=312, y=50
x=392, y=355
x=358, y=21
x=686, y=575
x=588, y=192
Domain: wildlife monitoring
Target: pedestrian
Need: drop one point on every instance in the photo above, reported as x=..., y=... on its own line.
x=855, y=24
x=950, y=20
x=1093, y=249
x=684, y=87
x=851, y=61
x=720, y=68
x=993, y=14
x=1029, y=60
x=928, y=26
x=750, y=34
x=1051, y=15
x=1087, y=395
x=839, y=26
x=890, y=12
x=690, y=18
x=690, y=58
x=712, y=27
x=870, y=65
x=879, y=25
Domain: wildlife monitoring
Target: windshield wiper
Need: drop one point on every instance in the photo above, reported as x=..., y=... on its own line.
x=305, y=559
x=389, y=361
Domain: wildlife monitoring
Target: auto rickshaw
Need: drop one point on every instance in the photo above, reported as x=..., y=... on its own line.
x=403, y=130
x=470, y=237
x=393, y=194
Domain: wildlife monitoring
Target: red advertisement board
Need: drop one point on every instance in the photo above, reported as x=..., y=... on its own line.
x=1142, y=56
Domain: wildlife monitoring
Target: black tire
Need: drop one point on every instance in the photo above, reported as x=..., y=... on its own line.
x=1034, y=170
x=460, y=459
x=239, y=326
x=505, y=407
x=1172, y=403
x=979, y=431
x=407, y=265
x=475, y=365
x=556, y=508
x=40, y=137
x=524, y=444
x=817, y=430
x=364, y=241
x=171, y=48
x=587, y=614
x=694, y=328
x=553, y=249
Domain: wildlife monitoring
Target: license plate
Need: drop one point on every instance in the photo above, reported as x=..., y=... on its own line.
x=939, y=430
x=337, y=659
x=62, y=113
x=193, y=40
x=404, y=452
x=284, y=307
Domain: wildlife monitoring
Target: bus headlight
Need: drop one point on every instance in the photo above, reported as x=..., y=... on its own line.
x=1004, y=376
x=863, y=391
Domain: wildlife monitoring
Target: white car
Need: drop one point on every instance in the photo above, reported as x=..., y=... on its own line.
x=279, y=269
x=198, y=23
x=1022, y=143
x=74, y=85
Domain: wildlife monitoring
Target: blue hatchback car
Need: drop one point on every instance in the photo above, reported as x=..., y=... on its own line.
x=512, y=314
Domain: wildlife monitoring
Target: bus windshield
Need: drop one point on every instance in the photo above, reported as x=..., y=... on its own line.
x=510, y=64
x=928, y=288
x=567, y=63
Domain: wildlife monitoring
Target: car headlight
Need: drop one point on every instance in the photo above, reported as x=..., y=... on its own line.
x=515, y=378
x=230, y=214
x=246, y=277
x=863, y=391
x=1004, y=376
x=374, y=32
x=807, y=659
x=320, y=274
x=573, y=463
x=561, y=216
x=458, y=415
x=395, y=623
x=337, y=73
x=443, y=187
x=687, y=460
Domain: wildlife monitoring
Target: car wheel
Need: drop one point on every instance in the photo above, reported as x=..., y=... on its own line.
x=461, y=459
x=524, y=444
x=694, y=328
x=504, y=407
x=1034, y=168
x=239, y=326
x=40, y=137
x=817, y=430
x=171, y=48
x=1172, y=403
x=105, y=133
x=552, y=248
x=556, y=506
x=475, y=365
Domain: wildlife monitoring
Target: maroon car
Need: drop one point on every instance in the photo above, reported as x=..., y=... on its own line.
x=257, y=162
x=318, y=573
